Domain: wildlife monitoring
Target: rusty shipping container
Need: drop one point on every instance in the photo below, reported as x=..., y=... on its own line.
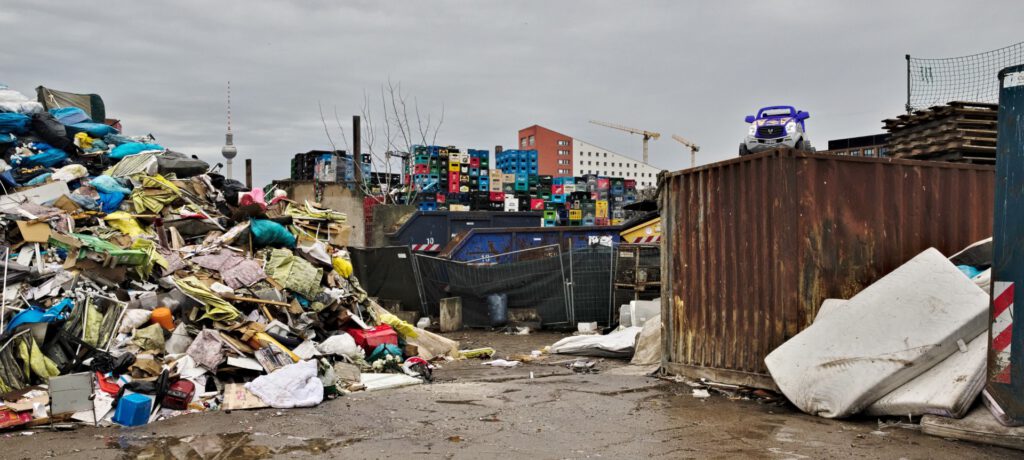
x=754, y=245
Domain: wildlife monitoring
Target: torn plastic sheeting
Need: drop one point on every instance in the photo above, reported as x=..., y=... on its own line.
x=948, y=388
x=617, y=344
x=236, y=271
x=124, y=223
x=149, y=338
x=294, y=385
x=145, y=163
x=885, y=336
x=269, y=233
x=207, y=350
x=217, y=309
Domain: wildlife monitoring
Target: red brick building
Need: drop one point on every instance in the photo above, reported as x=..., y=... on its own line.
x=554, y=150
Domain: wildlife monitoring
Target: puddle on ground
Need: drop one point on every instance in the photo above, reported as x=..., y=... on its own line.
x=219, y=446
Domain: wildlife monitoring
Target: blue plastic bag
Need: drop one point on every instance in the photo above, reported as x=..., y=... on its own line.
x=107, y=184
x=35, y=314
x=968, y=270
x=70, y=115
x=40, y=179
x=13, y=123
x=92, y=129
x=110, y=202
x=47, y=158
x=132, y=148
x=269, y=233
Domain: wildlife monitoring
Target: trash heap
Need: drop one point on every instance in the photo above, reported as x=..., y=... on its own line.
x=136, y=278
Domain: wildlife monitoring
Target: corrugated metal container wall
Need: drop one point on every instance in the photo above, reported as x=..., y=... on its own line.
x=754, y=245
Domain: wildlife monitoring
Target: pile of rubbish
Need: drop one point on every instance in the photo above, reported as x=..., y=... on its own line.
x=913, y=344
x=139, y=285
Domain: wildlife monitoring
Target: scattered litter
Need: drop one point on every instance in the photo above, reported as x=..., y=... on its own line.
x=503, y=363
x=701, y=393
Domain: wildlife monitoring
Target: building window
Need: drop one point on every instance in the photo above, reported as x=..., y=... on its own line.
x=606, y=154
x=563, y=152
x=854, y=153
x=869, y=152
x=532, y=141
x=522, y=142
x=563, y=142
x=883, y=151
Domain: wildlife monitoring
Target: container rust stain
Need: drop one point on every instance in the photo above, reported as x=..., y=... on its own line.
x=752, y=246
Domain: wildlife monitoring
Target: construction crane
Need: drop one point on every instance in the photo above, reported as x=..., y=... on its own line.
x=648, y=135
x=694, y=148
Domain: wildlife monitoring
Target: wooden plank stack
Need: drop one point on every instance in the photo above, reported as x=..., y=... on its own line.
x=958, y=131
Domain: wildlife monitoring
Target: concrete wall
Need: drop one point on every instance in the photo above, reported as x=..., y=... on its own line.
x=387, y=219
x=336, y=197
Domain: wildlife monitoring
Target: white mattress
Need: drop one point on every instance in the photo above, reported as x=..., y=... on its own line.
x=883, y=337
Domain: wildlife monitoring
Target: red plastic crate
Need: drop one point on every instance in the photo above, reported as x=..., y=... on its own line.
x=453, y=177
x=630, y=183
x=557, y=189
x=421, y=169
x=474, y=162
x=369, y=339
x=536, y=204
x=441, y=198
x=497, y=196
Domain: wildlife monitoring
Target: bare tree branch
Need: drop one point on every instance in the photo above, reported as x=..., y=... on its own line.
x=342, y=130
x=326, y=131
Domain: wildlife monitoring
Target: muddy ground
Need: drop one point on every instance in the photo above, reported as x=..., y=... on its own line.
x=473, y=411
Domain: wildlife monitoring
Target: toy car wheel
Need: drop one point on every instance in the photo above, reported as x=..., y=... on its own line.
x=800, y=145
x=743, y=150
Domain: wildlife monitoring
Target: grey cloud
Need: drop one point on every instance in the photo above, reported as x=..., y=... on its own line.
x=693, y=68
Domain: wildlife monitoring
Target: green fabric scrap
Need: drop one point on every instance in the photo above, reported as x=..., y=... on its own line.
x=34, y=361
x=155, y=193
x=149, y=338
x=217, y=309
x=295, y=273
x=93, y=320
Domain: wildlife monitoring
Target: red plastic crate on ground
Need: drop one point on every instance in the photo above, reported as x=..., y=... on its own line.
x=369, y=339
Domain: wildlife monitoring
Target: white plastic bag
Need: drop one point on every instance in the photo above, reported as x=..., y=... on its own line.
x=341, y=345
x=295, y=385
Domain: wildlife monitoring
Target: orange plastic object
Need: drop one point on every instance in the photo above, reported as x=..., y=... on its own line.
x=162, y=316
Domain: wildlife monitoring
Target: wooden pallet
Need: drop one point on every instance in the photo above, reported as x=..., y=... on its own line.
x=958, y=131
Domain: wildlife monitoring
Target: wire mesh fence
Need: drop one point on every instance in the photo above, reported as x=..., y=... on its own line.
x=529, y=279
x=565, y=288
x=971, y=78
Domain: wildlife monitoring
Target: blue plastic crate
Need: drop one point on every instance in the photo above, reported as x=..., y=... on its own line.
x=428, y=206
x=133, y=410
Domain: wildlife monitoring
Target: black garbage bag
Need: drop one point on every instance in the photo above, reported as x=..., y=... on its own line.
x=180, y=164
x=229, y=187
x=49, y=130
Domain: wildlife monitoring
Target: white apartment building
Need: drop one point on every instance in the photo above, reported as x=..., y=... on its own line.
x=588, y=158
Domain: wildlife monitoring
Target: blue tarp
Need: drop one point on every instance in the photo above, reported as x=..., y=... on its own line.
x=47, y=158
x=70, y=115
x=132, y=148
x=13, y=123
x=270, y=233
x=92, y=129
x=36, y=314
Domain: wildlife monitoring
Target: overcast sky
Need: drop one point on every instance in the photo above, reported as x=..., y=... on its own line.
x=692, y=68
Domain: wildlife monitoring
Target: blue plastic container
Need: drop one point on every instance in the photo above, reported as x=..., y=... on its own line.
x=133, y=410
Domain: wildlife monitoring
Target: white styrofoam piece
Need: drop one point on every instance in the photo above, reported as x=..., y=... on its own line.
x=375, y=382
x=885, y=336
x=947, y=389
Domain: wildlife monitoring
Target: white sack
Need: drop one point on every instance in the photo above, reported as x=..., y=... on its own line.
x=886, y=335
x=295, y=385
x=341, y=345
x=618, y=344
x=132, y=319
x=947, y=389
x=648, y=344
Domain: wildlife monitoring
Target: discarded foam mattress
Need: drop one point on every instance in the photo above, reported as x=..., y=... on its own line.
x=618, y=344
x=947, y=389
x=885, y=336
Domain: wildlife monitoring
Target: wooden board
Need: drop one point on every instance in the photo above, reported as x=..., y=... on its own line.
x=451, y=314
x=978, y=426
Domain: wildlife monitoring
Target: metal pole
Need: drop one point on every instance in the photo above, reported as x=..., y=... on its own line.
x=248, y=173
x=3, y=306
x=357, y=149
x=908, y=84
x=693, y=158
